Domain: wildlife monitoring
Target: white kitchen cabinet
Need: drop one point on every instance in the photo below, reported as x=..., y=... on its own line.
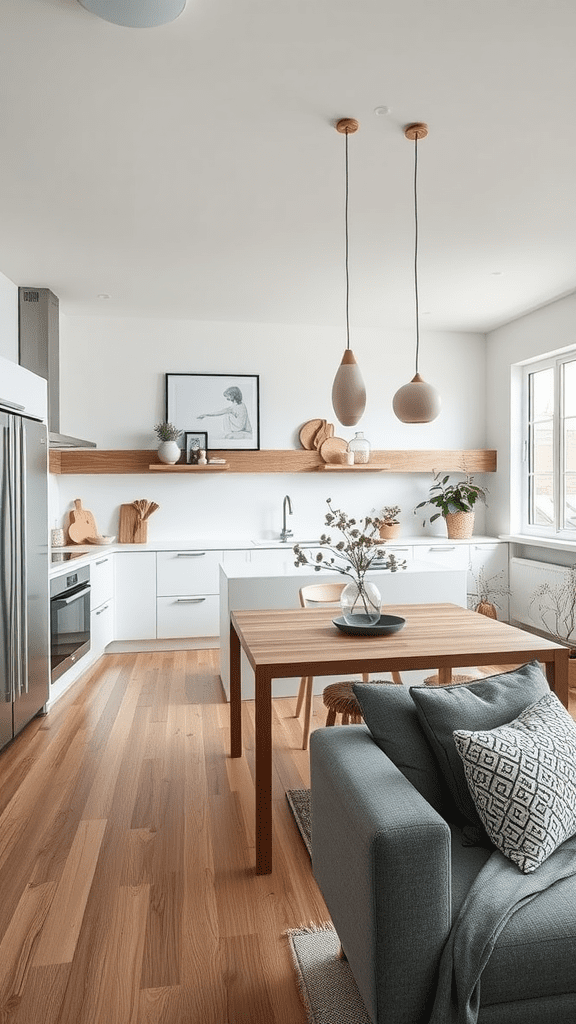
x=101, y=627
x=453, y=556
x=101, y=580
x=187, y=593
x=135, y=605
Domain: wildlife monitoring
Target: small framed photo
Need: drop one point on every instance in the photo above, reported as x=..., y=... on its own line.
x=225, y=405
x=194, y=442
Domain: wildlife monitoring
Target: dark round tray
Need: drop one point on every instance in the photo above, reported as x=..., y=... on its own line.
x=387, y=624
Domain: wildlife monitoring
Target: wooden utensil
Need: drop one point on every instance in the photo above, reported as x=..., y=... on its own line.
x=82, y=524
x=133, y=526
x=308, y=433
x=332, y=449
x=325, y=431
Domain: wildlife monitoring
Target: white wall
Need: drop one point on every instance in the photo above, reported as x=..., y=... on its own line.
x=8, y=319
x=546, y=330
x=112, y=391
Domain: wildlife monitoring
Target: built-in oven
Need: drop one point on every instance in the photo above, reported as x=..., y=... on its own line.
x=69, y=619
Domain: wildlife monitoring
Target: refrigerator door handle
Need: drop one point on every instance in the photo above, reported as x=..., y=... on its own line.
x=7, y=528
x=23, y=574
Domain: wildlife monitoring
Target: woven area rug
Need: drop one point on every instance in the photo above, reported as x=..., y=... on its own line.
x=326, y=985
x=299, y=803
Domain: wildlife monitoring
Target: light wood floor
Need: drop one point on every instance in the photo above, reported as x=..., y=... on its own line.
x=127, y=890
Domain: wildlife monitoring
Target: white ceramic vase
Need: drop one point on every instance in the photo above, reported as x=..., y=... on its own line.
x=169, y=452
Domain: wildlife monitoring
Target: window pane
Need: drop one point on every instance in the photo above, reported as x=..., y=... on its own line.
x=542, y=394
x=570, y=389
x=570, y=502
x=570, y=445
x=542, y=448
x=542, y=500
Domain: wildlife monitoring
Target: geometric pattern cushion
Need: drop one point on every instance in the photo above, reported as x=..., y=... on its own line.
x=522, y=778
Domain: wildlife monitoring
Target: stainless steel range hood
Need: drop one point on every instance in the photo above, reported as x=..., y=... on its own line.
x=39, y=351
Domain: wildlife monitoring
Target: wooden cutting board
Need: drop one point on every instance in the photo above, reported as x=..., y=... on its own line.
x=82, y=524
x=129, y=521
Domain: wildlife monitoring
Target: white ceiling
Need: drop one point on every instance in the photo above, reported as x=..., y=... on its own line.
x=193, y=170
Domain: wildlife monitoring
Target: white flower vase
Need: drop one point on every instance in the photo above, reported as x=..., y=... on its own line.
x=169, y=452
x=360, y=604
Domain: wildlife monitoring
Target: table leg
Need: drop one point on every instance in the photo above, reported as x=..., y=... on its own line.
x=263, y=711
x=235, y=696
x=557, y=675
x=445, y=676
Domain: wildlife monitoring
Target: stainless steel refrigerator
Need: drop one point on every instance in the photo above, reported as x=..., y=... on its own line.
x=24, y=615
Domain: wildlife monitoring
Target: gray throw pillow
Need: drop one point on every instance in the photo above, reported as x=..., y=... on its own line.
x=390, y=714
x=481, y=704
x=522, y=777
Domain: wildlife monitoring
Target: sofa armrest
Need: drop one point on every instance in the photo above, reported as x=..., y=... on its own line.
x=381, y=856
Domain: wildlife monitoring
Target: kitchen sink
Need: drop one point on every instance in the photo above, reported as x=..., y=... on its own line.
x=288, y=544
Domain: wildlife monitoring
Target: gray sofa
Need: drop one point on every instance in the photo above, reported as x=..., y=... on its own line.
x=394, y=871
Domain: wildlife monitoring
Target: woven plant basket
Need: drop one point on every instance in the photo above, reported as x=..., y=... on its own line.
x=459, y=525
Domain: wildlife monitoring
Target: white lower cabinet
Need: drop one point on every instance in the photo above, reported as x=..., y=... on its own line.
x=102, y=627
x=135, y=605
x=187, y=594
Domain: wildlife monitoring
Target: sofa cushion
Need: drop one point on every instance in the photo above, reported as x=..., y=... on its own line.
x=481, y=704
x=390, y=714
x=522, y=778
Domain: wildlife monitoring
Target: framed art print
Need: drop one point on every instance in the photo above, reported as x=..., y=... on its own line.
x=194, y=442
x=224, y=405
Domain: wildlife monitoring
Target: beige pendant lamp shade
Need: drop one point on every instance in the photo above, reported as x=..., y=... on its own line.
x=348, y=391
x=416, y=402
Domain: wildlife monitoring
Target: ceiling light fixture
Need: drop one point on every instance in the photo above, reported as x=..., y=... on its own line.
x=348, y=391
x=136, y=13
x=416, y=402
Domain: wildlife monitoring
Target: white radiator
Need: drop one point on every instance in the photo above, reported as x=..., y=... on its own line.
x=525, y=576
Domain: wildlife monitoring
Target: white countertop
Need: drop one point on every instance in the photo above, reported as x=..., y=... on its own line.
x=248, y=571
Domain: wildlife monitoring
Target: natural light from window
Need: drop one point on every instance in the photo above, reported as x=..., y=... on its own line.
x=550, y=445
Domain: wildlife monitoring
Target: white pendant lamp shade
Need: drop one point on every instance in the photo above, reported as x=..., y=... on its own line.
x=417, y=402
x=348, y=391
x=136, y=13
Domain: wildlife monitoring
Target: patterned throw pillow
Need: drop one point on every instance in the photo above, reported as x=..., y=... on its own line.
x=522, y=778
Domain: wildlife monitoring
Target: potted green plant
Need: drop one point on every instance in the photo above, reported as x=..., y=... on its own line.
x=168, y=450
x=390, y=523
x=359, y=550
x=455, y=502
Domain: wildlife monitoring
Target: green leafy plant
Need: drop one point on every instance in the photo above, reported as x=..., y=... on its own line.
x=167, y=432
x=359, y=549
x=556, y=607
x=447, y=497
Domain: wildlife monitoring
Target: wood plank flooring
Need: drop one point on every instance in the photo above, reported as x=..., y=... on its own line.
x=127, y=889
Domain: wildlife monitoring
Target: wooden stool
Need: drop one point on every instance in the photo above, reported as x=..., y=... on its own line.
x=435, y=680
x=340, y=699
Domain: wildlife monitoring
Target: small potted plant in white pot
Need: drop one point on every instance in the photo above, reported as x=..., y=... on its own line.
x=169, y=450
x=390, y=528
x=455, y=503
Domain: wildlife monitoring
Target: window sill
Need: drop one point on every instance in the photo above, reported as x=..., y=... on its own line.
x=539, y=542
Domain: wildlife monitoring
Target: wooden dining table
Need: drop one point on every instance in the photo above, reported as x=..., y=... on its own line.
x=305, y=642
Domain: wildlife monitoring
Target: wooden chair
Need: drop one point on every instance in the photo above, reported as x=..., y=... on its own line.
x=322, y=595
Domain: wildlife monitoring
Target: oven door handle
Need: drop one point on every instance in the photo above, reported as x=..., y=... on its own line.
x=60, y=602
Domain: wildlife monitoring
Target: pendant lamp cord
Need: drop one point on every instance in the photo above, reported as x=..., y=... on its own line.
x=416, y=248
x=346, y=250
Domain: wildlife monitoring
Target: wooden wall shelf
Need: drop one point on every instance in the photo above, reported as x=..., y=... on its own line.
x=94, y=460
x=177, y=468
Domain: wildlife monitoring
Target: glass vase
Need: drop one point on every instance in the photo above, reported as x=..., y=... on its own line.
x=360, y=604
x=360, y=446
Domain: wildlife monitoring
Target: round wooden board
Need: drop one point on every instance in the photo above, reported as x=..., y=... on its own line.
x=326, y=431
x=332, y=448
x=308, y=433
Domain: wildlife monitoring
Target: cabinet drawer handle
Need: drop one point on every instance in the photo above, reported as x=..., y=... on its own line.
x=104, y=609
x=101, y=561
x=190, y=554
x=394, y=548
x=444, y=547
x=190, y=600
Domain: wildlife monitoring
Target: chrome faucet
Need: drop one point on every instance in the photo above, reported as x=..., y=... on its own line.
x=286, y=533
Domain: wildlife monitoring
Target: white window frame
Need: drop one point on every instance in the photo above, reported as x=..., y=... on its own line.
x=555, y=530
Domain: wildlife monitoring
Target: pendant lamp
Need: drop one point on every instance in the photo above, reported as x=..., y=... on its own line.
x=416, y=402
x=136, y=13
x=348, y=391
